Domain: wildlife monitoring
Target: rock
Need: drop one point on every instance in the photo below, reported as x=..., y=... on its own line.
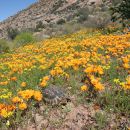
x=95, y=2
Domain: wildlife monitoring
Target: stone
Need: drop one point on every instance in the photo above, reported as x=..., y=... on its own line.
x=95, y=2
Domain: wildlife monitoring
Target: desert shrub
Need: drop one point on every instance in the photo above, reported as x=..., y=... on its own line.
x=39, y=26
x=111, y=30
x=82, y=14
x=12, y=33
x=101, y=119
x=121, y=13
x=28, y=30
x=57, y=5
x=71, y=27
x=24, y=38
x=100, y=20
x=82, y=18
x=115, y=2
x=3, y=46
x=61, y=21
x=116, y=101
x=67, y=28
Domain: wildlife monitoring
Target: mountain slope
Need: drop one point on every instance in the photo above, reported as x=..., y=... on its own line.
x=47, y=11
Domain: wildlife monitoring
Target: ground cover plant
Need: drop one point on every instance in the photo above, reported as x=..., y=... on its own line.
x=92, y=66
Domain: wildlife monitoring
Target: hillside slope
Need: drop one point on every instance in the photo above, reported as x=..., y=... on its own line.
x=47, y=11
x=98, y=89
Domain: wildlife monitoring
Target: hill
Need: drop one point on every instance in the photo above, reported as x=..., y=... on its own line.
x=51, y=12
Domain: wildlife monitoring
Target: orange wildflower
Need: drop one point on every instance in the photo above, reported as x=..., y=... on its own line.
x=16, y=100
x=22, y=106
x=38, y=95
x=84, y=88
x=13, y=78
x=23, y=84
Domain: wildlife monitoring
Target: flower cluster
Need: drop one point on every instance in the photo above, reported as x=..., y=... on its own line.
x=101, y=58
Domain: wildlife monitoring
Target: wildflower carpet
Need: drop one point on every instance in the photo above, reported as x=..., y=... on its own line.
x=95, y=68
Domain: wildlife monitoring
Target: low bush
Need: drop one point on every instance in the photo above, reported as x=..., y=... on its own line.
x=82, y=14
x=99, y=20
x=24, y=38
x=61, y=21
x=3, y=46
x=12, y=33
x=39, y=26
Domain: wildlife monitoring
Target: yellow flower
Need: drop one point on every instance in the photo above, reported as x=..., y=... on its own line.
x=89, y=70
x=23, y=84
x=5, y=96
x=84, y=88
x=43, y=84
x=8, y=123
x=122, y=83
x=100, y=70
x=16, y=100
x=38, y=95
x=4, y=83
x=13, y=78
x=99, y=86
x=4, y=113
x=46, y=78
x=126, y=66
x=125, y=59
x=127, y=87
x=22, y=106
x=128, y=80
x=116, y=81
x=26, y=94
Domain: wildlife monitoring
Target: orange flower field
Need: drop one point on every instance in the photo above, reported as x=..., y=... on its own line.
x=87, y=63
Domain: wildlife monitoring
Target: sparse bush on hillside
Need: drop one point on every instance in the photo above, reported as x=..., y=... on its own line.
x=121, y=13
x=28, y=30
x=12, y=33
x=57, y=5
x=39, y=26
x=82, y=14
x=71, y=27
x=115, y=2
x=61, y=21
x=24, y=38
x=3, y=46
x=99, y=20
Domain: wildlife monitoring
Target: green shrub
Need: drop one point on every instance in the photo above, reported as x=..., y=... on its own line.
x=58, y=4
x=39, y=26
x=121, y=13
x=61, y=21
x=108, y=30
x=115, y=101
x=82, y=18
x=3, y=46
x=82, y=14
x=12, y=33
x=24, y=38
x=101, y=120
x=99, y=20
x=70, y=27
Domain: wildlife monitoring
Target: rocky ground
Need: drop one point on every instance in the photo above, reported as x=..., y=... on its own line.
x=74, y=116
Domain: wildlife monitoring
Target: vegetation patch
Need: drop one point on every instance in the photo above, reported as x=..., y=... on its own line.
x=92, y=67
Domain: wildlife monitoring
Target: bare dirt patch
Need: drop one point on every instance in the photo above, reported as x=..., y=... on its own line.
x=69, y=117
